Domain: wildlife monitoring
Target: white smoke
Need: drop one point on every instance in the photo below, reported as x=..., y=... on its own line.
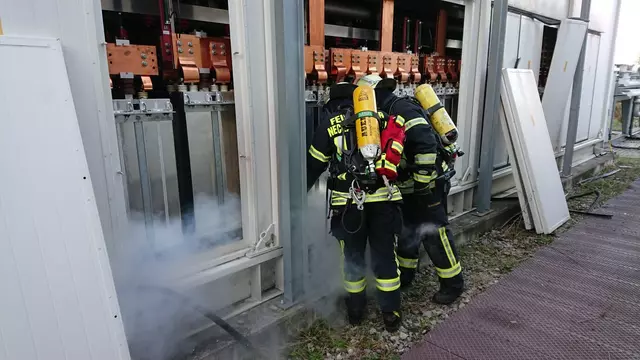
x=156, y=322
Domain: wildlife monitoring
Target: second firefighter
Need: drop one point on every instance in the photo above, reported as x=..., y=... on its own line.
x=364, y=200
x=424, y=181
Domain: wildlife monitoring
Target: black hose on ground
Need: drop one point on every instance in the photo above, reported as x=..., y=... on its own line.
x=235, y=334
x=595, y=201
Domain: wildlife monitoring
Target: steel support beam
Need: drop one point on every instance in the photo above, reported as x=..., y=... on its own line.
x=291, y=145
x=576, y=97
x=491, y=103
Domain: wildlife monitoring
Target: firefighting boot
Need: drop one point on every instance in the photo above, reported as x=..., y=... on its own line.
x=356, y=308
x=450, y=290
x=406, y=277
x=392, y=321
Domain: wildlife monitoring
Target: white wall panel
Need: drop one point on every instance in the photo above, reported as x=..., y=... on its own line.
x=600, y=18
x=588, y=84
x=78, y=24
x=530, y=47
x=57, y=299
x=556, y=9
x=604, y=74
x=511, y=44
x=563, y=65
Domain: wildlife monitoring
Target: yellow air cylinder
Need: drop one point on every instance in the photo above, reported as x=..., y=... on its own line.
x=440, y=120
x=367, y=126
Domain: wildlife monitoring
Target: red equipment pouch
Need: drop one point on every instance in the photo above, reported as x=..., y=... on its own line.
x=392, y=143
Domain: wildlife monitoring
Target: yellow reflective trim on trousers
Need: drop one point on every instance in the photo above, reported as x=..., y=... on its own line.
x=351, y=286
x=355, y=287
x=395, y=254
x=342, y=176
x=450, y=272
x=414, y=122
x=388, y=285
x=408, y=263
x=425, y=159
x=423, y=178
x=339, y=198
x=318, y=155
x=342, y=259
x=447, y=246
x=397, y=147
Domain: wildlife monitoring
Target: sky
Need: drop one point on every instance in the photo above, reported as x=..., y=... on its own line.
x=627, y=43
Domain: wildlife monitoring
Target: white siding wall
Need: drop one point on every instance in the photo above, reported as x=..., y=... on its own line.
x=607, y=15
x=78, y=24
x=523, y=40
x=598, y=70
x=556, y=9
x=600, y=17
x=598, y=63
x=57, y=299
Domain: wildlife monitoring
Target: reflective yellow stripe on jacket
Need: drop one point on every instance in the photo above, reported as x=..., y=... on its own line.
x=425, y=178
x=413, y=122
x=407, y=187
x=387, y=165
x=339, y=198
x=318, y=155
x=425, y=159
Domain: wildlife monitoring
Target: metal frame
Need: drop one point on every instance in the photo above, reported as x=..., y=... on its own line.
x=257, y=120
x=258, y=54
x=576, y=97
x=289, y=70
x=469, y=109
x=262, y=43
x=492, y=103
x=472, y=80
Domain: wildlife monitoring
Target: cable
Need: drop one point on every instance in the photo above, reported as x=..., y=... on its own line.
x=598, y=177
x=626, y=147
x=346, y=208
x=207, y=313
x=595, y=201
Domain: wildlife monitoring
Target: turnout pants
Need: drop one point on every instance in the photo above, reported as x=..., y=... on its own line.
x=425, y=221
x=379, y=224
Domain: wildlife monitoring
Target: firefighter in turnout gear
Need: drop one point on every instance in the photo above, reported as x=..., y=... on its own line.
x=365, y=202
x=424, y=176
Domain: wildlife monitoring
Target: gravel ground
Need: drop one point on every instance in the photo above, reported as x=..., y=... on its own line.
x=485, y=261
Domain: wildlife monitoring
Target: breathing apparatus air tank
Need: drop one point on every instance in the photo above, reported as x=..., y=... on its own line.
x=439, y=119
x=367, y=126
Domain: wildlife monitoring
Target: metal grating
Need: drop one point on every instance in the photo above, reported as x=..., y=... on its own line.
x=576, y=299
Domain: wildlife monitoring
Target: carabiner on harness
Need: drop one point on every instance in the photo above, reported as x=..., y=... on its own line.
x=357, y=194
x=389, y=187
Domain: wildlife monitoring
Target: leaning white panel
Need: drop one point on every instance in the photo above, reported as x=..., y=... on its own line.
x=560, y=80
x=533, y=148
x=505, y=108
x=58, y=298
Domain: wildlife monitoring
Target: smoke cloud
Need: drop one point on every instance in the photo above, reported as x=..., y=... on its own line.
x=156, y=322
